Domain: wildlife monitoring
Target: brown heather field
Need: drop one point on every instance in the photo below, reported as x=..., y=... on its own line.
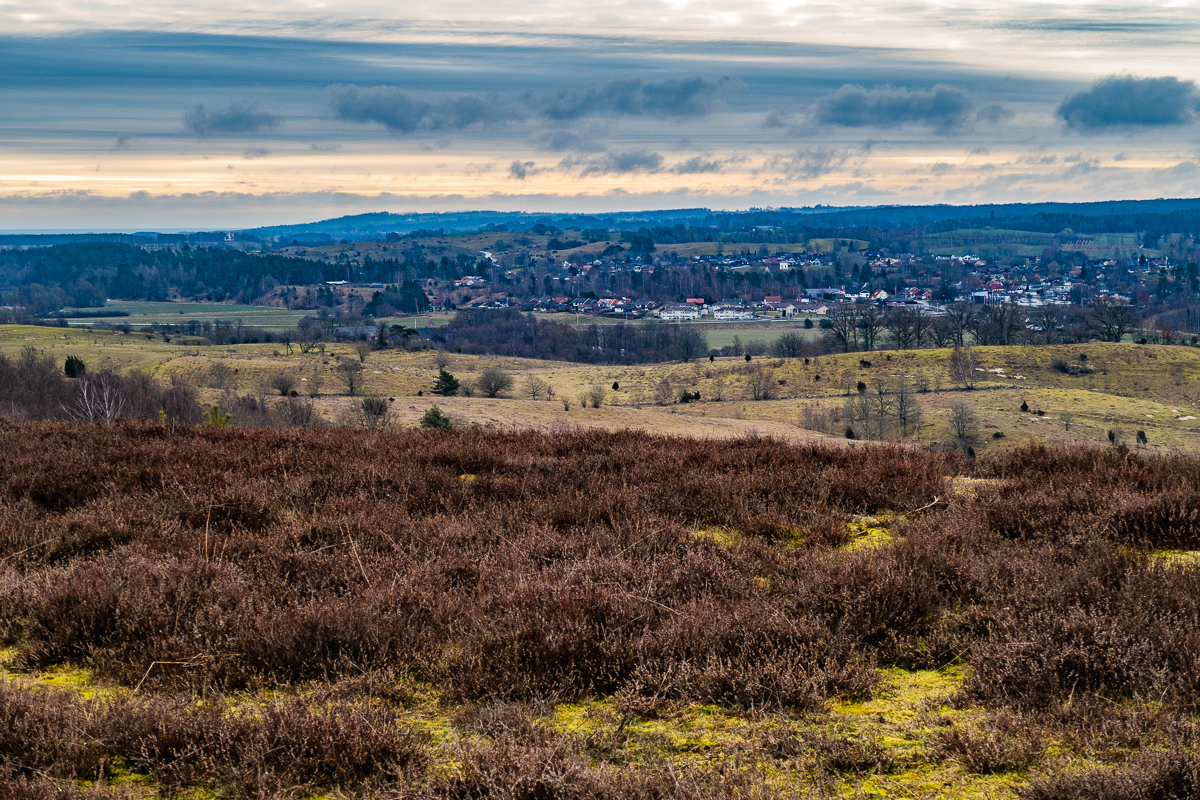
x=319, y=612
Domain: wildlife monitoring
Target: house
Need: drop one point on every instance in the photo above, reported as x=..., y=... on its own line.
x=728, y=313
x=677, y=312
x=779, y=309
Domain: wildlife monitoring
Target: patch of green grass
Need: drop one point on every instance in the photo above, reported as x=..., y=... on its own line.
x=721, y=334
x=150, y=313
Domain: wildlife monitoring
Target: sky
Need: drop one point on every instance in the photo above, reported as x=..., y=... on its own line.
x=219, y=115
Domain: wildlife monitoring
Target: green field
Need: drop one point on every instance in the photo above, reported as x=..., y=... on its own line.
x=721, y=334
x=150, y=313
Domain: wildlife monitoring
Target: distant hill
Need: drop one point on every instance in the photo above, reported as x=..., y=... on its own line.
x=1125, y=215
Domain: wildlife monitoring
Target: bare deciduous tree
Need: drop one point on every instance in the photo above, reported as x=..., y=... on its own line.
x=284, y=383
x=904, y=401
x=962, y=367
x=98, y=398
x=351, y=375
x=870, y=324
x=535, y=388
x=663, y=393
x=315, y=382
x=907, y=327
x=595, y=395
x=761, y=383
x=964, y=425
x=493, y=382
x=1111, y=319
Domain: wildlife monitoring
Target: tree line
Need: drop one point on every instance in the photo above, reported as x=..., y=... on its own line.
x=508, y=332
x=851, y=328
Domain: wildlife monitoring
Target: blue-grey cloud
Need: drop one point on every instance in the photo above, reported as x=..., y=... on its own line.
x=1125, y=101
x=674, y=97
x=239, y=119
x=566, y=141
x=402, y=112
x=698, y=165
x=994, y=113
x=809, y=163
x=520, y=169
x=607, y=163
x=943, y=108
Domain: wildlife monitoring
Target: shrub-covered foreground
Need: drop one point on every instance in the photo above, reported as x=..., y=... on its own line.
x=283, y=613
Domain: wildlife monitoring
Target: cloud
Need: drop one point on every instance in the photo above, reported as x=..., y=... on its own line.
x=811, y=163
x=239, y=118
x=1081, y=166
x=566, y=141
x=698, y=165
x=401, y=112
x=256, y=152
x=1124, y=101
x=608, y=163
x=994, y=113
x=943, y=108
x=520, y=169
x=674, y=97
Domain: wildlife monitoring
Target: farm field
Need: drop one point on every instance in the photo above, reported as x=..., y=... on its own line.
x=151, y=313
x=323, y=613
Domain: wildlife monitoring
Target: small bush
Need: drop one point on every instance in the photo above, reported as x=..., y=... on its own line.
x=284, y=383
x=435, y=418
x=296, y=411
x=1009, y=743
x=74, y=367
x=446, y=384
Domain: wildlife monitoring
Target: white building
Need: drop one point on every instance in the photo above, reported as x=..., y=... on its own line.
x=678, y=312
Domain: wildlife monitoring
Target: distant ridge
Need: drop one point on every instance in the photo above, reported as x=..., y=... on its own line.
x=379, y=224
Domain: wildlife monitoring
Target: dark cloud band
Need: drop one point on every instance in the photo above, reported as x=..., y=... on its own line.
x=674, y=97
x=238, y=119
x=942, y=108
x=1123, y=101
x=401, y=112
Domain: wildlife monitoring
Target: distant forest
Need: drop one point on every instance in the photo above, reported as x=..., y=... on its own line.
x=82, y=275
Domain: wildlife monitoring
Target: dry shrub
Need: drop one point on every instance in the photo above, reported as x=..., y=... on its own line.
x=249, y=751
x=513, y=569
x=1149, y=776
x=1005, y=742
x=537, y=763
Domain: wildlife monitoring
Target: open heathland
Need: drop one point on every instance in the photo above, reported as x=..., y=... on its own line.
x=194, y=611
x=1083, y=391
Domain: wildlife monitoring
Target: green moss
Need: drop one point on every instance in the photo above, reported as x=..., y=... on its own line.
x=722, y=536
x=871, y=531
x=1176, y=558
x=121, y=775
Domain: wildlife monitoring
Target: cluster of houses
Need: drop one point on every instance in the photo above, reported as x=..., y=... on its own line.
x=770, y=308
